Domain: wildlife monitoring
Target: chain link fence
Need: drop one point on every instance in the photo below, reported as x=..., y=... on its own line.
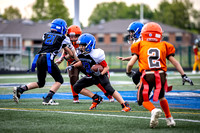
x=184, y=54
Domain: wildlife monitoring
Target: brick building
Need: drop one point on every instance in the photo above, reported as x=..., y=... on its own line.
x=108, y=33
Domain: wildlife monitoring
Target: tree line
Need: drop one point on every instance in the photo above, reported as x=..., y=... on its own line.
x=178, y=13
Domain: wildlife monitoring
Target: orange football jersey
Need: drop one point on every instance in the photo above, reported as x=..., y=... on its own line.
x=152, y=55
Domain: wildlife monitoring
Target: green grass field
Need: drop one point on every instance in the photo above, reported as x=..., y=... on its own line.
x=31, y=116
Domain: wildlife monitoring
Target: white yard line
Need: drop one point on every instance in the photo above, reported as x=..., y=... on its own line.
x=92, y=114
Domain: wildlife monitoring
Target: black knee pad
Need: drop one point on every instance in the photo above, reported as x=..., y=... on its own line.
x=77, y=89
x=110, y=91
x=140, y=103
x=136, y=77
x=61, y=81
x=73, y=80
x=41, y=84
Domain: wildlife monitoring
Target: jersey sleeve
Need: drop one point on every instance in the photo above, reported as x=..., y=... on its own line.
x=135, y=48
x=66, y=42
x=170, y=50
x=98, y=55
x=103, y=63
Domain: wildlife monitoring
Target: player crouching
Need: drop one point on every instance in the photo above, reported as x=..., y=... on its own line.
x=90, y=56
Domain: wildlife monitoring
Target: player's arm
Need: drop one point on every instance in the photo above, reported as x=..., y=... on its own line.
x=124, y=58
x=67, y=50
x=105, y=67
x=75, y=56
x=176, y=64
x=131, y=63
x=70, y=67
x=180, y=70
x=61, y=58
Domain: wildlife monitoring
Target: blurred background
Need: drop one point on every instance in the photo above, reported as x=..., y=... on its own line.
x=23, y=22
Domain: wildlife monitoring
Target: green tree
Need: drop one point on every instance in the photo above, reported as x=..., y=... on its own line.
x=11, y=13
x=195, y=26
x=176, y=14
x=39, y=10
x=50, y=9
x=56, y=9
x=114, y=10
x=134, y=11
x=108, y=11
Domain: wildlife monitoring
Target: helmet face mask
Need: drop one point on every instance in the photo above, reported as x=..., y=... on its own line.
x=88, y=41
x=134, y=30
x=74, y=30
x=152, y=32
x=59, y=25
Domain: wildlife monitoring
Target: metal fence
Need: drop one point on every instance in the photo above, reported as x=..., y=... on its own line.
x=184, y=54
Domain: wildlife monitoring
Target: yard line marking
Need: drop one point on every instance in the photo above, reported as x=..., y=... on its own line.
x=92, y=114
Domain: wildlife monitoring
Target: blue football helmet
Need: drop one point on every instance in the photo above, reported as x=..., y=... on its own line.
x=88, y=40
x=135, y=28
x=59, y=25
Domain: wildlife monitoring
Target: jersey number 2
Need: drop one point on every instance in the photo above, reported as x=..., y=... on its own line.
x=153, y=58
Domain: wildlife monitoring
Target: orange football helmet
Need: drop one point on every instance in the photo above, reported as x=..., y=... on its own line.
x=74, y=30
x=152, y=32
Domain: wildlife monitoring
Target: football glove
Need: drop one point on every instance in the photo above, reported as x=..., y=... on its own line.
x=69, y=68
x=98, y=73
x=186, y=79
x=130, y=74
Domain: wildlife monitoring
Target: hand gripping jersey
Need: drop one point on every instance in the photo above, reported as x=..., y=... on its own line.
x=152, y=55
x=72, y=47
x=96, y=56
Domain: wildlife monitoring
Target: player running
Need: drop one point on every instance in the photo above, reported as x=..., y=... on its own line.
x=90, y=56
x=53, y=42
x=73, y=33
x=151, y=54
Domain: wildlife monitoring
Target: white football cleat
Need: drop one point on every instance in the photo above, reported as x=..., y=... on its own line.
x=47, y=101
x=170, y=122
x=16, y=94
x=75, y=101
x=155, y=114
x=111, y=98
x=194, y=72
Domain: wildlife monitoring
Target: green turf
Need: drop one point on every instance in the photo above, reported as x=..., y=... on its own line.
x=31, y=116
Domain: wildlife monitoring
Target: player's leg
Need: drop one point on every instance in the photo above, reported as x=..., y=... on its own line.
x=111, y=99
x=104, y=81
x=54, y=88
x=80, y=87
x=144, y=99
x=73, y=76
x=164, y=103
x=195, y=65
x=136, y=78
x=41, y=74
x=199, y=65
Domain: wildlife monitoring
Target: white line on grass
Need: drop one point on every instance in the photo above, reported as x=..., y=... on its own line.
x=92, y=114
